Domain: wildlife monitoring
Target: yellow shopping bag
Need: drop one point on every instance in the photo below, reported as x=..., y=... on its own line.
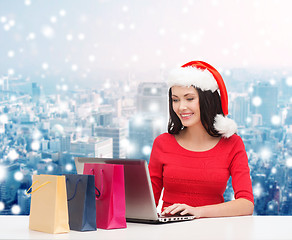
x=48, y=208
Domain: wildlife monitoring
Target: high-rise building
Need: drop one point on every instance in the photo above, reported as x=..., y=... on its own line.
x=264, y=101
x=152, y=98
x=9, y=185
x=118, y=135
x=150, y=120
x=65, y=143
x=93, y=147
x=36, y=92
x=240, y=110
x=142, y=132
x=103, y=117
x=23, y=201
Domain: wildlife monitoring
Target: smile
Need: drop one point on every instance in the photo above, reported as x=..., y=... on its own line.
x=186, y=116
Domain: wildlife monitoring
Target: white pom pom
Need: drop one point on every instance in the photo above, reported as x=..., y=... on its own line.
x=225, y=126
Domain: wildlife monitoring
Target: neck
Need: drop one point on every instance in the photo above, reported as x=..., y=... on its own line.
x=197, y=134
x=196, y=138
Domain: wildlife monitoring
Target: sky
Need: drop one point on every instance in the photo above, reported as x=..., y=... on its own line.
x=93, y=40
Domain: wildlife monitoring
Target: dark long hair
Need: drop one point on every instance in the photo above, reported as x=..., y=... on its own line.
x=210, y=106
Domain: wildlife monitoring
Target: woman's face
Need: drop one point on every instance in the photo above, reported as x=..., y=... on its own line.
x=185, y=103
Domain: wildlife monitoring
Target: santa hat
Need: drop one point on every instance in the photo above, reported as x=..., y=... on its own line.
x=202, y=75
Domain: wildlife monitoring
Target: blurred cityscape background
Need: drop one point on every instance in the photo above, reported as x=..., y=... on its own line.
x=87, y=78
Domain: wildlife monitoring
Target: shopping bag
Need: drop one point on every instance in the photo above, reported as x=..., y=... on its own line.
x=81, y=202
x=110, y=203
x=48, y=208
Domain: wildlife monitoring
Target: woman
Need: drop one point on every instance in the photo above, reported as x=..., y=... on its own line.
x=195, y=159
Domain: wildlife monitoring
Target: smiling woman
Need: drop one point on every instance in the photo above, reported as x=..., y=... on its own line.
x=195, y=159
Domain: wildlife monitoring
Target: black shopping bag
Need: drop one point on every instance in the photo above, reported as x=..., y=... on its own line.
x=81, y=202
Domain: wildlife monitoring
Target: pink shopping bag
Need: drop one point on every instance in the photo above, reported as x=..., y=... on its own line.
x=110, y=197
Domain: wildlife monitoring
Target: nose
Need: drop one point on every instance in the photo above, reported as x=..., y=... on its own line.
x=182, y=105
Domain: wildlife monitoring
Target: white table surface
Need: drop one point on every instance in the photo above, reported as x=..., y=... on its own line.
x=233, y=228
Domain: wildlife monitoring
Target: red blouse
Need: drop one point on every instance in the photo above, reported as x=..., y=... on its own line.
x=198, y=178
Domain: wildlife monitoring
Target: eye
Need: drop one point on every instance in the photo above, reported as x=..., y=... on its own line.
x=190, y=99
x=175, y=100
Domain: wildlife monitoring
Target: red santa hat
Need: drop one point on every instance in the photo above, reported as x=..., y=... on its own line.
x=202, y=75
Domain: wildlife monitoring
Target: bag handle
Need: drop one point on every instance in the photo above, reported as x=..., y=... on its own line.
x=100, y=193
x=45, y=183
x=78, y=181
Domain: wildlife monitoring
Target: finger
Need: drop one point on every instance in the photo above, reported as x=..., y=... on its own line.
x=178, y=209
x=169, y=209
x=184, y=212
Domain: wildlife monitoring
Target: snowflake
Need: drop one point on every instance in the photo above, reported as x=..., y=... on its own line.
x=31, y=36
x=146, y=150
x=15, y=209
x=69, y=167
x=153, y=107
x=2, y=206
x=27, y=2
x=273, y=170
x=53, y=19
x=11, y=71
x=50, y=168
x=289, y=162
x=12, y=155
x=121, y=26
x=125, y=8
x=18, y=176
x=3, y=118
x=6, y=27
x=265, y=153
x=132, y=26
x=3, y=19
x=10, y=54
x=227, y=72
x=65, y=87
x=81, y=36
x=162, y=31
x=276, y=120
x=69, y=37
x=135, y=58
x=35, y=145
x=45, y=66
x=257, y=101
x=273, y=82
x=74, y=67
x=62, y=13
x=91, y=58
x=48, y=31
x=257, y=190
x=3, y=172
x=289, y=81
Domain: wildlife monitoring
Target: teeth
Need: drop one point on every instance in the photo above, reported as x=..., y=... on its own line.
x=186, y=115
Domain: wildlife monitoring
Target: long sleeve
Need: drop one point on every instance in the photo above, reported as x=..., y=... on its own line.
x=240, y=172
x=156, y=171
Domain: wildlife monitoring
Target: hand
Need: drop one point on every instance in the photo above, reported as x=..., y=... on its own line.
x=181, y=209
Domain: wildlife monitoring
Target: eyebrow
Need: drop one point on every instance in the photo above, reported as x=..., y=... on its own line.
x=185, y=94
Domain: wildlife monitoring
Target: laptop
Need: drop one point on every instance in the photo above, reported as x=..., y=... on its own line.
x=140, y=203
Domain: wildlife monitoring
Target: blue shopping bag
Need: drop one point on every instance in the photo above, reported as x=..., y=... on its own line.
x=81, y=202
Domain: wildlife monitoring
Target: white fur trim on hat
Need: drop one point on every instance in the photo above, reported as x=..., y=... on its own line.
x=225, y=126
x=192, y=76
